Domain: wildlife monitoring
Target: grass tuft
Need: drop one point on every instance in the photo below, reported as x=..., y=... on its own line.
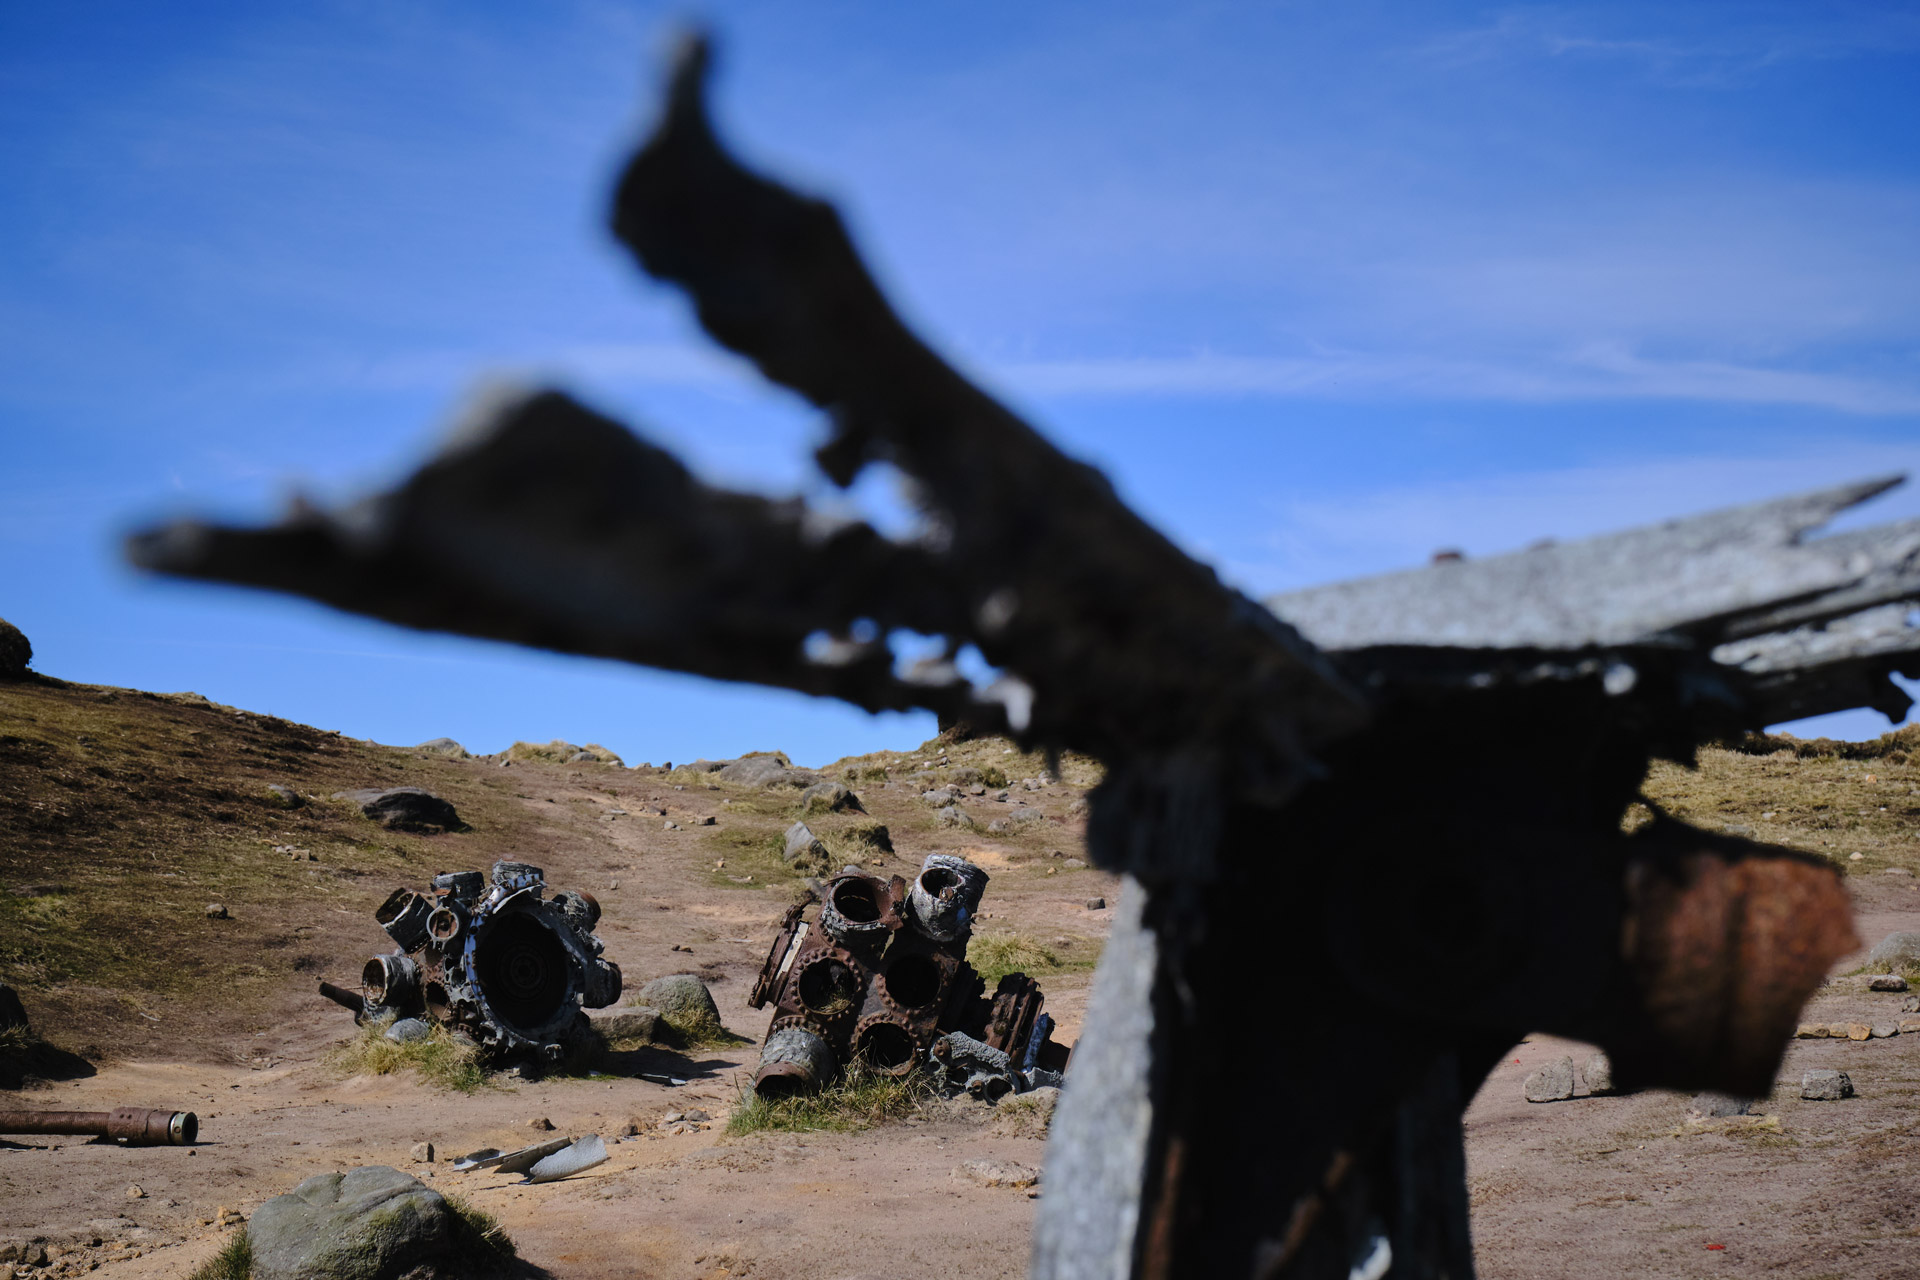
x=233, y=1262
x=995, y=955
x=486, y=1240
x=859, y=1099
x=439, y=1059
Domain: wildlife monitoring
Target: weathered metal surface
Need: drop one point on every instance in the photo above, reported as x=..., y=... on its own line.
x=882, y=975
x=135, y=1126
x=1448, y=769
x=494, y=959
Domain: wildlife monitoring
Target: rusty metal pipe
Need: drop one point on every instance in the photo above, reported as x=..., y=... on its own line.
x=135, y=1126
x=346, y=999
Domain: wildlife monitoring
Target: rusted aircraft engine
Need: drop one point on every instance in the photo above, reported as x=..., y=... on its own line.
x=498, y=961
x=880, y=976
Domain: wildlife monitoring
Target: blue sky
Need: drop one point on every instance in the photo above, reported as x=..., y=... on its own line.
x=1323, y=287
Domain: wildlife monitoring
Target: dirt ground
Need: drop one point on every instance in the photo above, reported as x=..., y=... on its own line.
x=1592, y=1187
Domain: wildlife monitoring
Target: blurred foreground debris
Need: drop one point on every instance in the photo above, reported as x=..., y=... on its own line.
x=492, y=959
x=880, y=976
x=1258, y=790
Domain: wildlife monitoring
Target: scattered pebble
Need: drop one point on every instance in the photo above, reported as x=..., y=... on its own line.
x=1551, y=1083
x=669, y=825
x=422, y=1152
x=1886, y=982
x=134, y=1192
x=1096, y=904
x=217, y=911
x=541, y=1123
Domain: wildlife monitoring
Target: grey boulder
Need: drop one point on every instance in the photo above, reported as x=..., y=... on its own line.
x=765, y=771
x=684, y=1003
x=405, y=808
x=1823, y=1085
x=804, y=852
x=373, y=1223
x=830, y=797
x=1896, y=951
x=1551, y=1083
x=444, y=747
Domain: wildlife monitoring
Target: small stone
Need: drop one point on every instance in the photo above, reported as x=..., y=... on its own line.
x=1826, y=1086
x=1598, y=1074
x=1719, y=1105
x=1811, y=1031
x=422, y=1152
x=1910, y=1005
x=1074, y=864
x=1883, y=1030
x=1551, y=1083
x=134, y=1192
x=541, y=1123
x=1855, y=857
x=953, y=816
x=695, y=1114
x=409, y=1030
x=1096, y=904
x=630, y=1129
x=217, y=911
x=1909, y=1026
x=669, y=825
x=278, y=793
x=706, y=821
x=1858, y=1031
x=997, y=1173
x=1886, y=982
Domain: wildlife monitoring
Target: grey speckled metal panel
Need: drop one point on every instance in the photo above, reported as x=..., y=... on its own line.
x=1097, y=1150
x=1706, y=573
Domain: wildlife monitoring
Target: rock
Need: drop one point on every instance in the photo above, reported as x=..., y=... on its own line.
x=669, y=825
x=695, y=1114
x=1895, y=953
x=1910, y=1005
x=373, y=1223
x=1886, y=982
x=997, y=1173
x=228, y=1216
x=1026, y=1115
x=804, y=852
x=874, y=835
x=409, y=1030
x=1597, y=1074
x=405, y=809
x=1073, y=864
x=1854, y=1030
x=1908, y=1026
x=134, y=1192
x=940, y=797
x=830, y=797
x=953, y=816
x=12, y=1012
x=422, y=1152
x=444, y=747
x=284, y=796
x=705, y=821
x=765, y=770
x=965, y=776
x=1096, y=904
x=541, y=1123
x=636, y=1022
x=1551, y=1083
x=1811, y=1031
x=1826, y=1086
x=1718, y=1105
x=559, y=752
x=217, y=911
x=15, y=652
x=1078, y=809
x=1018, y=818
x=685, y=1005
x=1883, y=1030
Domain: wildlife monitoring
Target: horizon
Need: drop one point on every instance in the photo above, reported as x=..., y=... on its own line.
x=1321, y=290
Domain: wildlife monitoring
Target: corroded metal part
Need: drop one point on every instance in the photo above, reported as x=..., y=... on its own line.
x=945, y=896
x=135, y=1126
x=496, y=961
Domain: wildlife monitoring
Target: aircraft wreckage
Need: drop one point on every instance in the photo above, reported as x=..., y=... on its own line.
x=493, y=959
x=879, y=976
x=1244, y=745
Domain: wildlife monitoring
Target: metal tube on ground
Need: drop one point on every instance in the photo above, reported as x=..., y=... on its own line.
x=135, y=1126
x=347, y=999
x=794, y=1060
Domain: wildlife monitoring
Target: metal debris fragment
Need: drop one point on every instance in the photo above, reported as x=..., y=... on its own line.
x=494, y=959
x=881, y=977
x=134, y=1126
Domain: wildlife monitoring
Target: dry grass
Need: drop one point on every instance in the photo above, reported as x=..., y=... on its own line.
x=857, y=1100
x=994, y=955
x=438, y=1059
x=233, y=1262
x=1832, y=805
